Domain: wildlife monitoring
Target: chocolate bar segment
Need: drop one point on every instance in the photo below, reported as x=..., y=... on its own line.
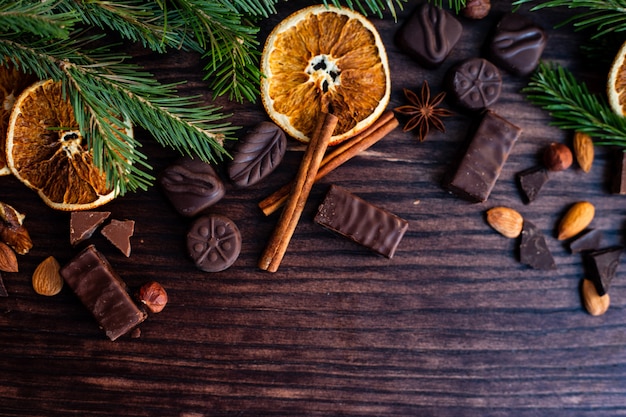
x=484, y=158
x=102, y=292
x=362, y=222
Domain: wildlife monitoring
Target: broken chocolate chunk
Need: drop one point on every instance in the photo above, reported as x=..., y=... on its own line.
x=618, y=185
x=531, y=181
x=590, y=239
x=360, y=221
x=119, y=232
x=533, y=248
x=101, y=290
x=601, y=266
x=84, y=223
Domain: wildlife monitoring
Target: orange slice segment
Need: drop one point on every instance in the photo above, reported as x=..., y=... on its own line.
x=46, y=151
x=616, y=85
x=324, y=59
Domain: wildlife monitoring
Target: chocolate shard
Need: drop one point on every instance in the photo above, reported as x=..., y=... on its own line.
x=517, y=44
x=588, y=240
x=429, y=35
x=531, y=181
x=484, y=158
x=191, y=185
x=533, y=248
x=360, y=221
x=618, y=185
x=214, y=242
x=257, y=154
x=474, y=84
x=119, y=232
x=101, y=290
x=602, y=265
x=3, y=290
x=84, y=223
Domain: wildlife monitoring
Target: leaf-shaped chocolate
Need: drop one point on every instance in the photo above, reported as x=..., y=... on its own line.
x=257, y=154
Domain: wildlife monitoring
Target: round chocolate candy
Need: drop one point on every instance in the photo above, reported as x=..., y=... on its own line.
x=474, y=84
x=213, y=242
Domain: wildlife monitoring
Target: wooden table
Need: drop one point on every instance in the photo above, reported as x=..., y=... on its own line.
x=453, y=325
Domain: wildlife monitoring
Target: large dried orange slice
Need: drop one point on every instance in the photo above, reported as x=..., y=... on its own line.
x=46, y=151
x=12, y=83
x=616, y=85
x=324, y=58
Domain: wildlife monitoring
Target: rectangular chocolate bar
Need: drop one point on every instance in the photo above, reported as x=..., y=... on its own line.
x=362, y=222
x=103, y=292
x=484, y=158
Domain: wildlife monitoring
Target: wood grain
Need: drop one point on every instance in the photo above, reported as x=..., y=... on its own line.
x=453, y=325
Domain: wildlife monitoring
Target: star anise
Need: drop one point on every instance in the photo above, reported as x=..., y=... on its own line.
x=423, y=111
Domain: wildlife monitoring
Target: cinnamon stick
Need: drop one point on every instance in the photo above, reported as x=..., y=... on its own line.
x=344, y=152
x=309, y=166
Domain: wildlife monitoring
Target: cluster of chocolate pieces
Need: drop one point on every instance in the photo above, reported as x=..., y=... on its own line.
x=516, y=45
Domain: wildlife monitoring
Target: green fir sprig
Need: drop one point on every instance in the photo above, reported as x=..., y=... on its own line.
x=573, y=107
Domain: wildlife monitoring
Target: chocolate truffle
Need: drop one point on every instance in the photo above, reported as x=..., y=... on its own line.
x=429, y=35
x=213, y=242
x=517, y=44
x=474, y=84
x=257, y=154
x=191, y=185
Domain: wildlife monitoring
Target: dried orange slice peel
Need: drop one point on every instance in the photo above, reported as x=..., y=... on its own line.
x=46, y=151
x=324, y=59
x=616, y=85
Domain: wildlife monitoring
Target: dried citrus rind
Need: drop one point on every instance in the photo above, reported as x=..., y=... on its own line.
x=616, y=84
x=46, y=151
x=324, y=58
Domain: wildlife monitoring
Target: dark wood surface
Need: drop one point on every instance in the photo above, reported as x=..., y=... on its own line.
x=453, y=325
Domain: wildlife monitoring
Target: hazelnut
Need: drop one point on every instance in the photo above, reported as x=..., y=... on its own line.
x=476, y=9
x=153, y=295
x=557, y=157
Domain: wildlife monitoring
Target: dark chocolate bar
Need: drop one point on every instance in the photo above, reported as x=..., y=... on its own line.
x=362, y=222
x=484, y=158
x=103, y=292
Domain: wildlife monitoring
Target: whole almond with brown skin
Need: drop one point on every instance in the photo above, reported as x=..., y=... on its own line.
x=506, y=221
x=46, y=279
x=595, y=304
x=8, y=259
x=576, y=219
x=583, y=150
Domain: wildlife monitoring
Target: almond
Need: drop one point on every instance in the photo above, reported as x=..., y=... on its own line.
x=506, y=221
x=595, y=304
x=8, y=259
x=584, y=151
x=576, y=219
x=46, y=279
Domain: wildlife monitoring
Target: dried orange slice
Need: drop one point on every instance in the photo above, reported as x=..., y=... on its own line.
x=46, y=151
x=616, y=85
x=324, y=58
x=12, y=83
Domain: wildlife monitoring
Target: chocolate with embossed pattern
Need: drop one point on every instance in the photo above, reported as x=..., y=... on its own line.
x=257, y=154
x=429, y=35
x=214, y=242
x=517, y=44
x=360, y=221
x=191, y=185
x=474, y=84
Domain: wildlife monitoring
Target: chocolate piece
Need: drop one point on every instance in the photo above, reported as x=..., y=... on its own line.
x=84, y=223
x=3, y=290
x=531, y=181
x=484, y=158
x=103, y=292
x=214, y=242
x=474, y=84
x=429, y=35
x=517, y=44
x=586, y=241
x=362, y=222
x=257, y=154
x=533, y=248
x=601, y=266
x=118, y=232
x=191, y=185
x=619, y=178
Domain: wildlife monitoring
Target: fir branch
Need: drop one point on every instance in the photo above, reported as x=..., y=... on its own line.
x=605, y=16
x=455, y=5
x=573, y=107
x=36, y=18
